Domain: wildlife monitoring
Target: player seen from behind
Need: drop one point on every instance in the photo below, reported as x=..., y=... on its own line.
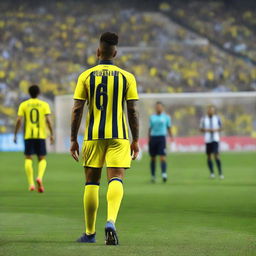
x=105, y=88
x=35, y=113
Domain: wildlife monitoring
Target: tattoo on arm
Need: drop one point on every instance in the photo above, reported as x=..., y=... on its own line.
x=133, y=118
x=76, y=117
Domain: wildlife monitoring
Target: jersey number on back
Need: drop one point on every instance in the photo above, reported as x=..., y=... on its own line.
x=101, y=97
x=34, y=116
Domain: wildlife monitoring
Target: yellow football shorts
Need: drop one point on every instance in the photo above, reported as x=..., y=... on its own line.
x=112, y=152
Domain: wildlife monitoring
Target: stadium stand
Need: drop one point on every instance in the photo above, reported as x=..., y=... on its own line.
x=52, y=42
x=231, y=27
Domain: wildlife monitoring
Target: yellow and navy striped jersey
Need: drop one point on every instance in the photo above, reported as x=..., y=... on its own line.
x=105, y=88
x=34, y=111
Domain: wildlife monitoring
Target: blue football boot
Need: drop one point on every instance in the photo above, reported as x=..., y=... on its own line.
x=110, y=234
x=87, y=238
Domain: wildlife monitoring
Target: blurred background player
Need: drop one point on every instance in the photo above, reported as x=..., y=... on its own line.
x=36, y=117
x=211, y=126
x=105, y=87
x=159, y=128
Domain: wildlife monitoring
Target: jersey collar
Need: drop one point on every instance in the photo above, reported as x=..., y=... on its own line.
x=106, y=62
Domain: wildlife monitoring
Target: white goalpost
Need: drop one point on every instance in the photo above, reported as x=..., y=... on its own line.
x=237, y=110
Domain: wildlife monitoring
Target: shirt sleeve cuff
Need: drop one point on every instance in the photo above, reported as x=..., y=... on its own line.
x=132, y=99
x=78, y=98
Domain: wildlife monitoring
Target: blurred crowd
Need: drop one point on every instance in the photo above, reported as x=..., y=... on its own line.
x=233, y=27
x=51, y=43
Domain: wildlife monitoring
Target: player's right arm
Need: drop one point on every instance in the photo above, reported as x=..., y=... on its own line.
x=18, y=124
x=80, y=97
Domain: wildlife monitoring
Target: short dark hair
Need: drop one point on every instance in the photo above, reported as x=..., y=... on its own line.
x=160, y=103
x=34, y=90
x=109, y=38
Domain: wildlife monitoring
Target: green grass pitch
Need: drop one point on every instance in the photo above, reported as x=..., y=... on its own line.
x=190, y=215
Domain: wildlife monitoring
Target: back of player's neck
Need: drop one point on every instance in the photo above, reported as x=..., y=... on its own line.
x=105, y=59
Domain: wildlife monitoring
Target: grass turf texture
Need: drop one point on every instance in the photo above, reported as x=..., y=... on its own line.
x=190, y=215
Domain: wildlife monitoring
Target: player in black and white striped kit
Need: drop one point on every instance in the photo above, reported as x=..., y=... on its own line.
x=211, y=126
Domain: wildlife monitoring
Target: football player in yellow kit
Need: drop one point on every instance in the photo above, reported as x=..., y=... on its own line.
x=105, y=88
x=35, y=113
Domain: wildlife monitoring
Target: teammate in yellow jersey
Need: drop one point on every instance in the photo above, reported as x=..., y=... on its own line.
x=35, y=113
x=105, y=88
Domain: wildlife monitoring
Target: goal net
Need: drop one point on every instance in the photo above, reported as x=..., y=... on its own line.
x=237, y=111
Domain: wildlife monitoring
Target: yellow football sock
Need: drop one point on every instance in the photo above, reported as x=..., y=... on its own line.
x=91, y=203
x=114, y=198
x=29, y=171
x=41, y=168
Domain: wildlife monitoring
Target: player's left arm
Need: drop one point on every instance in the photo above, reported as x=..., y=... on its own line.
x=17, y=127
x=76, y=117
